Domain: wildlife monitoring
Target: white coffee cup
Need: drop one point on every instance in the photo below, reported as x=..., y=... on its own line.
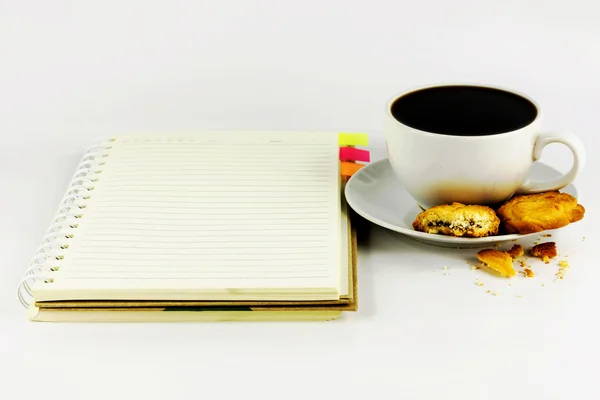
x=472, y=144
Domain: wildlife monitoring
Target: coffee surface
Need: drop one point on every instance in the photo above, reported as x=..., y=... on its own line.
x=464, y=110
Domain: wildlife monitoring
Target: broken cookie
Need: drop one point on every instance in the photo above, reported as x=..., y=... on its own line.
x=457, y=219
x=545, y=251
x=499, y=261
x=516, y=251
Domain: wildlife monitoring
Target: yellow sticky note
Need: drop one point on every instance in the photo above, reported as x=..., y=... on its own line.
x=353, y=139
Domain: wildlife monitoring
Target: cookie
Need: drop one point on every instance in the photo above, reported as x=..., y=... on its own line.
x=545, y=251
x=499, y=261
x=539, y=212
x=457, y=219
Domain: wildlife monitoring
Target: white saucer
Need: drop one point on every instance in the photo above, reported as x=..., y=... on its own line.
x=375, y=193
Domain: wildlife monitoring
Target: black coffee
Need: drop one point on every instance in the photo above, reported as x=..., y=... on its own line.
x=464, y=110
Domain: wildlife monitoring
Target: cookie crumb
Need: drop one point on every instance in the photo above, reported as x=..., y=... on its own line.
x=522, y=263
x=547, y=235
x=528, y=273
x=478, y=282
x=474, y=267
x=445, y=269
x=496, y=293
x=563, y=266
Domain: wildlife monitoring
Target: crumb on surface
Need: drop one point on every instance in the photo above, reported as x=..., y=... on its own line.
x=563, y=266
x=522, y=263
x=478, y=282
x=547, y=235
x=528, y=273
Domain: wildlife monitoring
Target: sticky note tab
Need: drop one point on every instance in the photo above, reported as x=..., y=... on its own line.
x=353, y=139
x=352, y=154
x=349, y=168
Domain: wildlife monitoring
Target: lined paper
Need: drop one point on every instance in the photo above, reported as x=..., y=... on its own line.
x=213, y=214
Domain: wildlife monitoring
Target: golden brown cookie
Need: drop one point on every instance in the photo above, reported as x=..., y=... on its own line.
x=499, y=261
x=457, y=219
x=539, y=212
x=545, y=251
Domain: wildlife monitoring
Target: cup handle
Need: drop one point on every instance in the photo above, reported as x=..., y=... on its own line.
x=576, y=147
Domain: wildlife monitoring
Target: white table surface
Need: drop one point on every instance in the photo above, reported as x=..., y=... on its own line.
x=71, y=71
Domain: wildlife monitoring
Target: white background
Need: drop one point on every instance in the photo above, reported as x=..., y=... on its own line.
x=74, y=70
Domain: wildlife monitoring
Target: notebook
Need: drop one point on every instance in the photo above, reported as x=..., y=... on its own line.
x=202, y=226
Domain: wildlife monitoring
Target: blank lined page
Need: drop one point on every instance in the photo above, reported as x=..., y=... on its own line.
x=222, y=215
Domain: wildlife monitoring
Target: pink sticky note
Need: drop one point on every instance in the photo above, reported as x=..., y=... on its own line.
x=353, y=154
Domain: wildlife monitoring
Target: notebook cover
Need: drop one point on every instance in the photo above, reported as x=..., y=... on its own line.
x=190, y=315
x=345, y=303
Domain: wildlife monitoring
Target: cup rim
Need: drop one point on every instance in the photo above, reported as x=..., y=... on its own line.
x=536, y=120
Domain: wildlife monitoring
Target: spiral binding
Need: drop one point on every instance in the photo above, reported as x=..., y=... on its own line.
x=48, y=256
